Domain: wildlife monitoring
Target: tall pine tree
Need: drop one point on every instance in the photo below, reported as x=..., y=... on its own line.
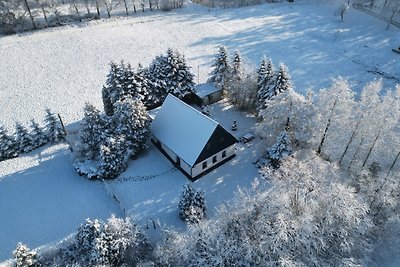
x=54, y=129
x=8, y=147
x=281, y=81
x=37, y=134
x=23, y=139
x=220, y=74
x=264, y=80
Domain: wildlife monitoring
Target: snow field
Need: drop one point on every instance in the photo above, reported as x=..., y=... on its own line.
x=42, y=199
x=63, y=68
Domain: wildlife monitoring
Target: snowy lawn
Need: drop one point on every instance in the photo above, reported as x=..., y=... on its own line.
x=42, y=199
x=151, y=187
x=63, y=68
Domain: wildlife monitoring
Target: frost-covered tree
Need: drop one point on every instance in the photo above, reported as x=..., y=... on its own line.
x=54, y=129
x=279, y=151
x=192, y=206
x=281, y=81
x=264, y=81
x=334, y=107
x=170, y=74
x=23, y=139
x=92, y=132
x=37, y=135
x=219, y=76
x=8, y=148
x=305, y=217
x=235, y=78
x=290, y=112
x=113, y=158
x=131, y=120
x=24, y=257
x=108, y=89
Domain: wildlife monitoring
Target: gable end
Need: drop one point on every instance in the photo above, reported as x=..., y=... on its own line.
x=219, y=140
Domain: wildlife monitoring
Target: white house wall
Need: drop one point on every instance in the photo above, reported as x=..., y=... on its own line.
x=198, y=168
x=185, y=167
x=169, y=152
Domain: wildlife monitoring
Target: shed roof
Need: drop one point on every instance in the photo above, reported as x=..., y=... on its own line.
x=183, y=129
x=205, y=89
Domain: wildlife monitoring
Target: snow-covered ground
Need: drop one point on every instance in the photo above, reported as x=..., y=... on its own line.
x=63, y=68
x=42, y=199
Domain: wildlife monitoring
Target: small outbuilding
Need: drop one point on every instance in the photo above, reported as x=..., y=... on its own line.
x=208, y=93
x=194, y=142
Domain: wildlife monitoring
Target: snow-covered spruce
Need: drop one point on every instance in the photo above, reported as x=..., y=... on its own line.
x=265, y=74
x=192, y=207
x=112, y=243
x=23, y=139
x=220, y=74
x=106, y=143
x=37, y=135
x=8, y=148
x=54, y=129
x=24, y=257
x=279, y=151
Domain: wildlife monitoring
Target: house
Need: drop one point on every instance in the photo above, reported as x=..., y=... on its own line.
x=193, y=141
x=208, y=93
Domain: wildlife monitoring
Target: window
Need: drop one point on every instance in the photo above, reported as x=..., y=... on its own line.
x=214, y=159
x=204, y=164
x=224, y=153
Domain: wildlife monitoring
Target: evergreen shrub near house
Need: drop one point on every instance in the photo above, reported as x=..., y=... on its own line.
x=192, y=207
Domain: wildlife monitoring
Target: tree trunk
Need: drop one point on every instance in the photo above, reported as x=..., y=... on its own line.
x=77, y=11
x=98, y=9
x=30, y=13
x=143, y=7
x=355, y=153
x=394, y=163
x=126, y=8
x=319, y=150
x=108, y=10
x=134, y=8
x=150, y=5
x=45, y=16
x=88, y=9
x=351, y=139
x=370, y=150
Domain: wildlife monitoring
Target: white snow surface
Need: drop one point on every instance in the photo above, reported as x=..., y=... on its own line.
x=62, y=68
x=182, y=129
x=42, y=199
x=205, y=89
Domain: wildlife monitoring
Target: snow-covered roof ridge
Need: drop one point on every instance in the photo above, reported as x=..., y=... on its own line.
x=182, y=128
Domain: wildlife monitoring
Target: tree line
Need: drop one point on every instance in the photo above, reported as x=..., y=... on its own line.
x=21, y=15
x=24, y=140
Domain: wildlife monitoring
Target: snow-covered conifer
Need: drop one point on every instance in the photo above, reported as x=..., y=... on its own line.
x=24, y=257
x=91, y=132
x=220, y=74
x=264, y=80
x=131, y=120
x=290, y=112
x=192, y=206
x=23, y=139
x=8, y=148
x=113, y=158
x=108, y=89
x=281, y=81
x=54, y=129
x=280, y=150
x=37, y=134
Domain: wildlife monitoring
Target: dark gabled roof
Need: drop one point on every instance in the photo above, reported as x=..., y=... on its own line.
x=219, y=140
